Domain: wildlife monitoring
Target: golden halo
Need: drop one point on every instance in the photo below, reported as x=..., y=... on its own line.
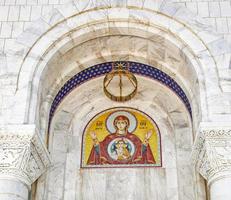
x=110, y=121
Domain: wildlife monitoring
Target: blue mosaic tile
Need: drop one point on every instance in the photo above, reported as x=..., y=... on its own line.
x=104, y=68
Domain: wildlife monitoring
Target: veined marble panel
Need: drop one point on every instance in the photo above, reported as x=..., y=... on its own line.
x=174, y=180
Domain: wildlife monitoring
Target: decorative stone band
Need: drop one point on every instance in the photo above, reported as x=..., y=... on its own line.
x=105, y=68
x=22, y=153
x=212, y=151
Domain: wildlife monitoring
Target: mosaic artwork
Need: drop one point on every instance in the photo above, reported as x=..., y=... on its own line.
x=121, y=137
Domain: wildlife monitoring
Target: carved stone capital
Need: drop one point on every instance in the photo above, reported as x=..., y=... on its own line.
x=22, y=153
x=212, y=151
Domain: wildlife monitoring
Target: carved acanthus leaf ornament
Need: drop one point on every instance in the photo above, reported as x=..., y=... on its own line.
x=212, y=152
x=22, y=153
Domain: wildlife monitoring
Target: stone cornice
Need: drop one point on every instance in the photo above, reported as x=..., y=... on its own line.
x=22, y=153
x=212, y=151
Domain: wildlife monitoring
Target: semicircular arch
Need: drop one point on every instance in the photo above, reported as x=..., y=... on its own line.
x=49, y=44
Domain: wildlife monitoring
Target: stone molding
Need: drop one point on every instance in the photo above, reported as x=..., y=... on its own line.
x=22, y=153
x=211, y=154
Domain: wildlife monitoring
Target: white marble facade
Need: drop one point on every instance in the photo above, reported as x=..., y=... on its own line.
x=66, y=37
x=174, y=180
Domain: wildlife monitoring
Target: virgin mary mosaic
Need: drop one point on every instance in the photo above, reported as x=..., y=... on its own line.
x=121, y=137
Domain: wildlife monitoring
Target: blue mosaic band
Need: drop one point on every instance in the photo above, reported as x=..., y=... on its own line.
x=104, y=68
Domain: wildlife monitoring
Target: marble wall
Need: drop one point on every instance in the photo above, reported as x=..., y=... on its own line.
x=37, y=58
x=175, y=180
x=67, y=26
x=158, y=52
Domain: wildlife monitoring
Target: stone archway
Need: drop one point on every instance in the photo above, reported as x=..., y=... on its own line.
x=195, y=46
x=65, y=143
x=190, y=55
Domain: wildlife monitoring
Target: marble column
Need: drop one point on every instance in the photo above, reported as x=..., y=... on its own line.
x=212, y=158
x=23, y=158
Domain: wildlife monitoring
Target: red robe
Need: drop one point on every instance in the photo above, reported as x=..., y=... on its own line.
x=100, y=156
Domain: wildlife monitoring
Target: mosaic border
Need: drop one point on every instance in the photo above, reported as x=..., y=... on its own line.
x=104, y=68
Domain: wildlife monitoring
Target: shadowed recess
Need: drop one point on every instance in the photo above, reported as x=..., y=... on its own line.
x=104, y=68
